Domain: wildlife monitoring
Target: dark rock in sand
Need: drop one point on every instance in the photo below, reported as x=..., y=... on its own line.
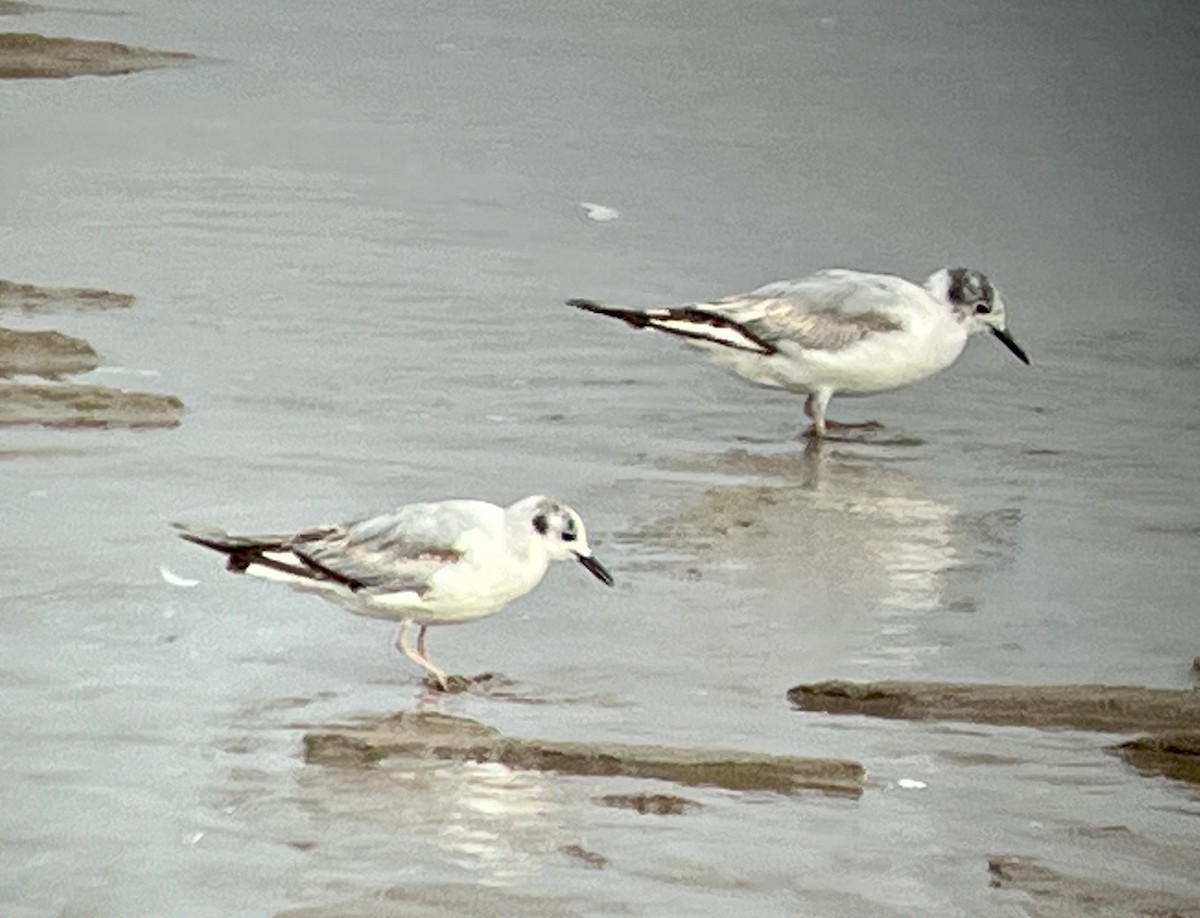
x=650, y=804
x=420, y=898
x=69, y=405
x=1172, y=755
x=593, y=859
x=1107, y=708
x=25, y=55
x=416, y=735
x=50, y=354
x=32, y=298
x=1056, y=895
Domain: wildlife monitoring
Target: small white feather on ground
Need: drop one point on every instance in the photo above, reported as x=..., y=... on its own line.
x=598, y=212
x=174, y=579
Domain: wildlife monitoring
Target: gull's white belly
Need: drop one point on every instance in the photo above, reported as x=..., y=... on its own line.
x=878, y=363
x=457, y=595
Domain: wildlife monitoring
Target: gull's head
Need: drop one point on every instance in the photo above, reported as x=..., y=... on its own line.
x=977, y=303
x=561, y=530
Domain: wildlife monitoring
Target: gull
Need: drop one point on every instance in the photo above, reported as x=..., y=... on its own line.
x=835, y=331
x=421, y=564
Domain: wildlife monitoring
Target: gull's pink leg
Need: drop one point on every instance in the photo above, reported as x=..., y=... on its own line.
x=815, y=406
x=417, y=655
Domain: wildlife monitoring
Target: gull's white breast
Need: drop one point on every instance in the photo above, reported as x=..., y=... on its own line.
x=487, y=578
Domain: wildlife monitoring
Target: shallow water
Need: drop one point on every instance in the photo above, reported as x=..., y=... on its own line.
x=350, y=231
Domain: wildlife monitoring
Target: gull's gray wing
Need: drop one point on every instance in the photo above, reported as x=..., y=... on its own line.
x=393, y=552
x=829, y=310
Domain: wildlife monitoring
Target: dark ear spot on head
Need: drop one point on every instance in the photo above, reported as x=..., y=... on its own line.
x=541, y=524
x=970, y=287
x=960, y=280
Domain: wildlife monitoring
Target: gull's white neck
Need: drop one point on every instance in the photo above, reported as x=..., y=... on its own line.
x=938, y=285
x=525, y=545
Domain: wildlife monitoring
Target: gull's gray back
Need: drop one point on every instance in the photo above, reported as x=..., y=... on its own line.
x=829, y=310
x=402, y=549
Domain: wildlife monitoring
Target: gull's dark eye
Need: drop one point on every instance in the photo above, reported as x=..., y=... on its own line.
x=541, y=524
x=569, y=535
x=983, y=308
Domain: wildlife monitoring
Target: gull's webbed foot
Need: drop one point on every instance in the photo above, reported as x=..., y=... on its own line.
x=454, y=684
x=845, y=425
x=448, y=684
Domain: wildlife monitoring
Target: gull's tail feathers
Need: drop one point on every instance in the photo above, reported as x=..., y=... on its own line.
x=274, y=557
x=692, y=322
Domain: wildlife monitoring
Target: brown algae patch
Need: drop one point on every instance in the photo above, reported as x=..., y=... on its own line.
x=49, y=354
x=1104, y=708
x=32, y=298
x=1172, y=716
x=650, y=804
x=417, y=735
x=431, y=899
x=28, y=55
x=1056, y=895
x=53, y=355
x=71, y=405
x=1173, y=755
x=593, y=859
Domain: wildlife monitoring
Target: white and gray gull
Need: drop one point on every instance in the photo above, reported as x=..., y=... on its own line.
x=422, y=564
x=835, y=331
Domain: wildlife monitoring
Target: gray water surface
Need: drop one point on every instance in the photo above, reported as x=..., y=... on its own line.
x=350, y=230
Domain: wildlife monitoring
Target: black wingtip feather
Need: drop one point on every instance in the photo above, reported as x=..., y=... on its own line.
x=631, y=316
x=655, y=320
x=208, y=540
x=328, y=573
x=240, y=553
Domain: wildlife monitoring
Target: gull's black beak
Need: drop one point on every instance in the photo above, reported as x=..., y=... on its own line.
x=1011, y=345
x=598, y=570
